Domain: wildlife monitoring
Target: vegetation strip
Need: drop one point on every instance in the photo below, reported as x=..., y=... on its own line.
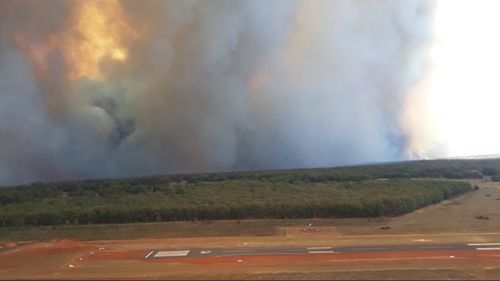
x=231, y=199
x=361, y=191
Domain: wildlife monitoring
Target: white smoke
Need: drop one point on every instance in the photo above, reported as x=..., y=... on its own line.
x=213, y=86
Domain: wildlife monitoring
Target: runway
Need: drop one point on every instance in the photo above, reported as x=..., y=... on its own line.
x=246, y=251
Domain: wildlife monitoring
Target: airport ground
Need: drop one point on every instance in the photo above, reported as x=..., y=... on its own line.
x=120, y=251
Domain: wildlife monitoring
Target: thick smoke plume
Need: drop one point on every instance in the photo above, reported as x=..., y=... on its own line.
x=107, y=88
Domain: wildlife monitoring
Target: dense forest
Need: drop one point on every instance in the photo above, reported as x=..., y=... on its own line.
x=359, y=191
x=448, y=169
x=231, y=199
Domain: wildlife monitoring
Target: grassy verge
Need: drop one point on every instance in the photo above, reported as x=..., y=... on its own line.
x=139, y=230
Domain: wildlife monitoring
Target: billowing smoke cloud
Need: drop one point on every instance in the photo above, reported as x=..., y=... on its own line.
x=106, y=89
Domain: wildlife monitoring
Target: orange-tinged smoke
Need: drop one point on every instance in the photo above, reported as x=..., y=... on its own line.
x=99, y=30
x=103, y=32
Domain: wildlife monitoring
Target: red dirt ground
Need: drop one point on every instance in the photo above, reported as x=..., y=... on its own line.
x=86, y=260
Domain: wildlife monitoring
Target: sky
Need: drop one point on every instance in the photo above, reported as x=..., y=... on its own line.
x=108, y=88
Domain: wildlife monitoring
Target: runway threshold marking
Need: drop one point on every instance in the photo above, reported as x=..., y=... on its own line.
x=321, y=252
x=164, y=254
x=489, y=249
x=485, y=246
x=150, y=253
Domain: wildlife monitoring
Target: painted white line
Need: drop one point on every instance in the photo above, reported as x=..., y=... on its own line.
x=484, y=244
x=435, y=247
x=205, y=252
x=163, y=254
x=373, y=248
x=150, y=253
x=488, y=249
x=321, y=252
x=319, y=248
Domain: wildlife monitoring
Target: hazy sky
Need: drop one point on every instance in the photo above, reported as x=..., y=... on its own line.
x=124, y=88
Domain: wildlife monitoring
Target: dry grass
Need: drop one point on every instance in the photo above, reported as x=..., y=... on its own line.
x=457, y=215
x=141, y=230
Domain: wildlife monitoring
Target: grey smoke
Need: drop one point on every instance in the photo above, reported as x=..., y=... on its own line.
x=333, y=80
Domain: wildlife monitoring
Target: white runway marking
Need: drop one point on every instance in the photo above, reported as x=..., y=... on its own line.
x=488, y=249
x=206, y=252
x=321, y=252
x=319, y=248
x=147, y=256
x=484, y=244
x=163, y=254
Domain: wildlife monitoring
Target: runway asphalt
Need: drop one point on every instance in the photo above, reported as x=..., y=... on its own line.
x=246, y=251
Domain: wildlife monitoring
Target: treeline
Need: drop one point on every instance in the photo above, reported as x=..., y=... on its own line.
x=109, y=202
x=360, y=191
x=449, y=169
